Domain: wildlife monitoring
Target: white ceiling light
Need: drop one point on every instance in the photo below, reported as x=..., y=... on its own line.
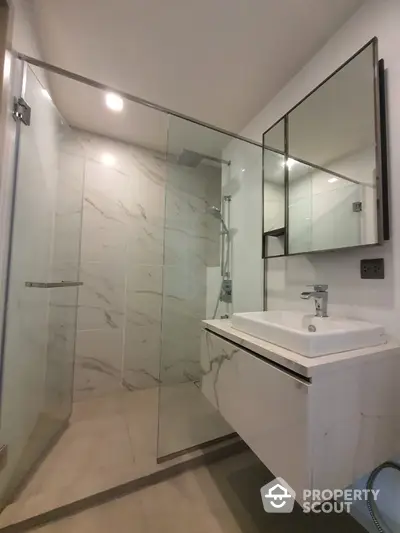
x=290, y=162
x=108, y=159
x=332, y=180
x=114, y=102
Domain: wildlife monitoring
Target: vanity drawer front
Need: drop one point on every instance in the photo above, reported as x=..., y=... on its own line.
x=265, y=405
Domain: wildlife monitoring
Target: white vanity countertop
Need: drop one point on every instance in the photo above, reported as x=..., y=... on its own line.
x=305, y=366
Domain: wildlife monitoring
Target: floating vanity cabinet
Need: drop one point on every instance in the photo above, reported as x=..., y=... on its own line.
x=319, y=423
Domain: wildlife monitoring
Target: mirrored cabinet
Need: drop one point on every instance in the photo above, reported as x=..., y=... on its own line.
x=325, y=167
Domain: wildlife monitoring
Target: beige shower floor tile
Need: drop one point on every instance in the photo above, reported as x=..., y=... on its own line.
x=111, y=440
x=221, y=498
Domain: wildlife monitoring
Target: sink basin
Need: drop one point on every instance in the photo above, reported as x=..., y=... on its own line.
x=307, y=334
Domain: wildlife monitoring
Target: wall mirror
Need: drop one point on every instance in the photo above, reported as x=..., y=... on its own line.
x=274, y=192
x=324, y=165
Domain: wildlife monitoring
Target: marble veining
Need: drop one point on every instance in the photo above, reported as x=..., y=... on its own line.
x=305, y=366
x=144, y=256
x=320, y=433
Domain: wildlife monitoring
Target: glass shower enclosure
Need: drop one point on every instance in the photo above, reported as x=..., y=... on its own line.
x=209, y=175
x=167, y=221
x=42, y=288
x=194, y=232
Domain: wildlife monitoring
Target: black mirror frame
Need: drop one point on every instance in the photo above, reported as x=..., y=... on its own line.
x=382, y=179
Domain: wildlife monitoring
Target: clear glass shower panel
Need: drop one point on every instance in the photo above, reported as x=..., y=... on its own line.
x=196, y=261
x=40, y=326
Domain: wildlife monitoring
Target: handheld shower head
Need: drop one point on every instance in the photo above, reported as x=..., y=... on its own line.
x=216, y=213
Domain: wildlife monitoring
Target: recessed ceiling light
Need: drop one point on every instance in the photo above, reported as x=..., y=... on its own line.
x=114, y=102
x=332, y=180
x=46, y=94
x=108, y=159
x=290, y=162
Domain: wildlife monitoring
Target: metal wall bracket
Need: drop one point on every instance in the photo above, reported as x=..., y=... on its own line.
x=22, y=111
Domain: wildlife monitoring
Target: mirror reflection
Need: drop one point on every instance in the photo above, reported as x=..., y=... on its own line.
x=324, y=210
x=274, y=204
x=334, y=206
x=325, y=179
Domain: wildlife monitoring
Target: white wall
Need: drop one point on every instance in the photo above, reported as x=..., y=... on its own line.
x=242, y=181
x=373, y=300
x=378, y=300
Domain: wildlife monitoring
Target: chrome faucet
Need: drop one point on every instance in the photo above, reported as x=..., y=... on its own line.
x=320, y=294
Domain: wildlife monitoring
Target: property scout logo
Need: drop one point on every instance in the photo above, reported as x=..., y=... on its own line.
x=279, y=497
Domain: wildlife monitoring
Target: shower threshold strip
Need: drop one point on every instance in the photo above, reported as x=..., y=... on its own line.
x=230, y=446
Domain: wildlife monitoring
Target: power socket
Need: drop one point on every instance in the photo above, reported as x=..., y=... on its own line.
x=372, y=269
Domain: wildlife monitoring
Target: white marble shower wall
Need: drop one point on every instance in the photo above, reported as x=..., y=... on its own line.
x=64, y=266
x=121, y=251
x=122, y=257
x=191, y=246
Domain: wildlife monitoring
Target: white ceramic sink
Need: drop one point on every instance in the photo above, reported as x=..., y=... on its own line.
x=307, y=334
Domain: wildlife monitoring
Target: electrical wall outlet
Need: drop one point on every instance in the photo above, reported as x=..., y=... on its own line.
x=372, y=269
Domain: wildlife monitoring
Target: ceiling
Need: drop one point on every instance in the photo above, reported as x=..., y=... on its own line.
x=218, y=61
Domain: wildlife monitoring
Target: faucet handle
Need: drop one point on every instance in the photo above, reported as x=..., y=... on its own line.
x=318, y=287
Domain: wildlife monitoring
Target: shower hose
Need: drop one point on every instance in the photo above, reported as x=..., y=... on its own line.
x=371, y=504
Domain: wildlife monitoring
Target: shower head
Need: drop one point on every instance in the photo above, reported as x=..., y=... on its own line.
x=216, y=213
x=189, y=158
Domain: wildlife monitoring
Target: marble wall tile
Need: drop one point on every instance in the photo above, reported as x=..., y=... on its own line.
x=62, y=311
x=106, y=214
x=148, y=196
x=139, y=215
x=67, y=239
x=71, y=170
x=103, y=238
x=143, y=326
x=122, y=255
x=145, y=243
x=60, y=355
x=102, y=296
x=141, y=364
x=98, y=362
x=107, y=189
x=144, y=295
x=180, y=359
